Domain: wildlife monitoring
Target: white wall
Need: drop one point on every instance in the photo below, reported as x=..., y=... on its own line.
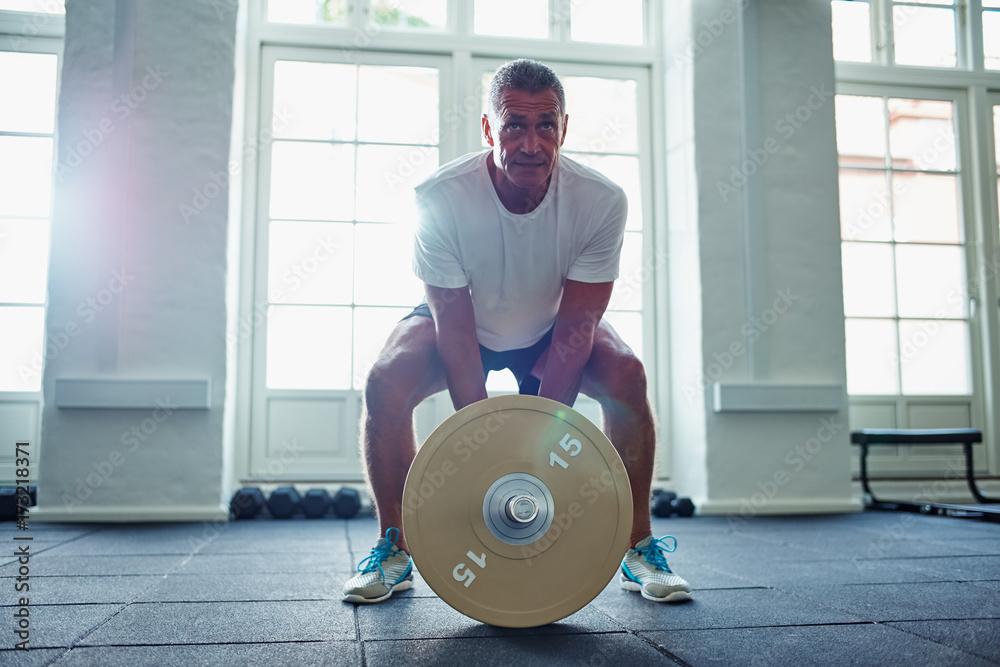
x=137, y=289
x=756, y=295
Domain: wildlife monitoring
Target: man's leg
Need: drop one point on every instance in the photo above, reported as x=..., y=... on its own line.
x=407, y=371
x=615, y=377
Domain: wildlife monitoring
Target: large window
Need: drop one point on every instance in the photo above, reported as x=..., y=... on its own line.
x=343, y=165
x=903, y=251
x=361, y=100
x=913, y=113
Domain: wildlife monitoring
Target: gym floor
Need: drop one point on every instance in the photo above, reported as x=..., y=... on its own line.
x=867, y=589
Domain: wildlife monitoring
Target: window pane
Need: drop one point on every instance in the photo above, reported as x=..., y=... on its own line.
x=512, y=18
x=627, y=294
x=604, y=115
x=624, y=171
x=868, y=280
x=383, y=91
x=852, y=38
x=594, y=21
x=871, y=357
x=372, y=327
x=934, y=357
x=921, y=134
x=501, y=382
x=383, y=266
x=25, y=176
x=314, y=100
x=924, y=36
x=860, y=130
x=37, y=6
x=310, y=262
x=629, y=327
x=996, y=135
x=991, y=39
x=925, y=208
x=21, y=352
x=386, y=177
x=312, y=181
x=24, y=260
x=308, y=347
x=411, y=13
x=307, y=12
x=864, y=206
x=28, y=82
x=931, y=281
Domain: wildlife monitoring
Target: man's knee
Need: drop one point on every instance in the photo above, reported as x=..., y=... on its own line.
x=625, y=380
x=402, y=366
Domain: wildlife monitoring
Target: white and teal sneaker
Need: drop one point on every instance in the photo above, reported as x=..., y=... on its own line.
x=386, y=570
x=645, y=570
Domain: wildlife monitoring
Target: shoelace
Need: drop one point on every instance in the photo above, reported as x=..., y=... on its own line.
x=653, y=552
x=380, y=553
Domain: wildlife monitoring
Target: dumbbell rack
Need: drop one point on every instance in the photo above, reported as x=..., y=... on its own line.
x=951, y=436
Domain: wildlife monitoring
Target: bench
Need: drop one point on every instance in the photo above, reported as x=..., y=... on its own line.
x=966, y=437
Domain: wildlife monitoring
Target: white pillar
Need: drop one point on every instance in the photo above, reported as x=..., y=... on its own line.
x=137, y=288
x=756, y=293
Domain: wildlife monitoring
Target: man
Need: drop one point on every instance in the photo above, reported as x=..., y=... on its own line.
x=518, y=249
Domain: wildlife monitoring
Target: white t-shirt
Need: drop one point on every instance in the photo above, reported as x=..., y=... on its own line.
x=516, y=264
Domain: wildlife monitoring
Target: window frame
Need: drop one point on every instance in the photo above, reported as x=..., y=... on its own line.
x=27, y=32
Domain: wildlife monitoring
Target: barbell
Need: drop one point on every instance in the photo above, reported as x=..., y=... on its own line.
x=517, y=511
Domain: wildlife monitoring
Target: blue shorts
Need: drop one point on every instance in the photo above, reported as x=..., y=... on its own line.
x=520, y=361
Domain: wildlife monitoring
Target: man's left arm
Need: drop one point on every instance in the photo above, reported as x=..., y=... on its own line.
x=580, y=311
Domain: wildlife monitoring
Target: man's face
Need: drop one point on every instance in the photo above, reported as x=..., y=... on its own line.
x=526, y=137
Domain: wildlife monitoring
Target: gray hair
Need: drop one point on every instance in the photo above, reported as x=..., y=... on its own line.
x=528, y=75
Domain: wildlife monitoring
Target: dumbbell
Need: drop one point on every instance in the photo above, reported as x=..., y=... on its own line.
x=246, y=503
x=666, y=503
x=316, y=503
x=9, y=502
x=346, y=502
x=284, y=502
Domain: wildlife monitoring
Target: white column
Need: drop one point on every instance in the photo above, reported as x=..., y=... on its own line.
x=137, y=287
x=759, y=415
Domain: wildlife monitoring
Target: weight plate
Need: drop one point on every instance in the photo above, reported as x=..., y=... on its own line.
x=517, y=511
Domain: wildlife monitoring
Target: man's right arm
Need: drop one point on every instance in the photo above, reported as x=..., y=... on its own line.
x=457, y=343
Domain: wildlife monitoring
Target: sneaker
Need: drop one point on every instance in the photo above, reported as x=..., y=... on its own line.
x=386, y=570
x=645, y=569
